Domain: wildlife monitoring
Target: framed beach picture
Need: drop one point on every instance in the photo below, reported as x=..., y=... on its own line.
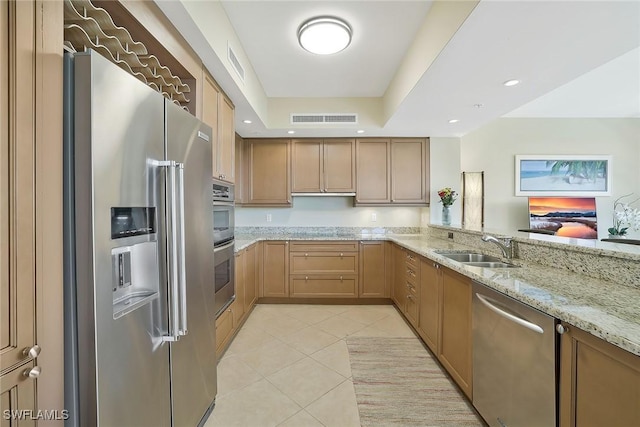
x=560, y=175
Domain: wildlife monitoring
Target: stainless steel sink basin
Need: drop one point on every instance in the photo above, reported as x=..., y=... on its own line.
x=477, y=260
x=466, y=257
x=498, y=264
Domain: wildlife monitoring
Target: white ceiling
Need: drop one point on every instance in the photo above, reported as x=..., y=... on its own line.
x=574, y=58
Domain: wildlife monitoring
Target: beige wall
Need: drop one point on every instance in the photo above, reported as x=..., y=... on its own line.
x=492, y=148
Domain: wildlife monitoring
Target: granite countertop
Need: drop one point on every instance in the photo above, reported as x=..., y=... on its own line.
x=606, y=309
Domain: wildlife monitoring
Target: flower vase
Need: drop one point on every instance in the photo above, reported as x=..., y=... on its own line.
x=446, y=215
x=617, y=236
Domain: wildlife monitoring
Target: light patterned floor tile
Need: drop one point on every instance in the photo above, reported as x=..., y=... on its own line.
x=338, y=407
x=311, y=314
x=340, y=327
x=336, y=357
x=310, y=340
x=302, y=419
x=248, y=340
x=364, y=315
x=271, y=358
x=283, y=326
x=305, y=381
x=258, y=405
x=393, y=326
x=234, y=374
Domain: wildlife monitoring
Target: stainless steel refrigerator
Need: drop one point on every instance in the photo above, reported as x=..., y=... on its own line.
x=139, y=278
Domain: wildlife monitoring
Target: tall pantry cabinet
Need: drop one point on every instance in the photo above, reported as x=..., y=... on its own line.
x=31, y=336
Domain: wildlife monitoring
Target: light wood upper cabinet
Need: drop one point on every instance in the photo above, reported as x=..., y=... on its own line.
x=218, y=112
x=268, y=163
x=323, y=165
x=17, y=157
x=392, y=171
x=599, y=382
x=454, y=349
x=225, y=169
x=409, y=177
x=373, y=175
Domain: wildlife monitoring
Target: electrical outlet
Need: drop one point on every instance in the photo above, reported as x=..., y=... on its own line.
x=374, y=217
x=450, y=235
x=268, y=217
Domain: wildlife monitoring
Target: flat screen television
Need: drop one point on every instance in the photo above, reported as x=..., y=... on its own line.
x=564, y=216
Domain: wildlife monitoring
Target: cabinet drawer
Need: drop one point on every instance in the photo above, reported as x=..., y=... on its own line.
x=412, y=260
x=324, y=246
x=323, y=263
x=412, y=274
x=224, y=328
x=324, y=286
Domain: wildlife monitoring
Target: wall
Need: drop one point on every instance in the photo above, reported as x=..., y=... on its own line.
x=330, y=211
x=492, y=148
x=445, y=172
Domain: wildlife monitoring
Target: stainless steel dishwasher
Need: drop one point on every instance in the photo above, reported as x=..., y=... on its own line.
x=514, y=361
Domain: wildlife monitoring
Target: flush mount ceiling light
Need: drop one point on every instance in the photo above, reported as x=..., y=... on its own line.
x=324, y=35
x=511, y=82
x=360, y=131
x=454, y=121
x=291, y=132
x=247, y=121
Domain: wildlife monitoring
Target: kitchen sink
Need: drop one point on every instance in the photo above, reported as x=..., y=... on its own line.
x=477, y=260
x=469, y=257
x=493, y=264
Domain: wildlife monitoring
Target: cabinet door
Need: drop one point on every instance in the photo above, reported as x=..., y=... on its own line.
x=275, y=281
x=210, y=94
x=18, y=398
x=599, y=382
x=226, y=140
x=250, y=277
x=306, y=165
x=372, y=171
x=455, y=334
x=339, y=165
x=224, y=329
x=372, y=270
x=238, y=312
x=429, y=318
x=408, y=171
x=269, y=163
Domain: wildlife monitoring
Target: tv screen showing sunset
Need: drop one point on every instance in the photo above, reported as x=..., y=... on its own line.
x=566, y=216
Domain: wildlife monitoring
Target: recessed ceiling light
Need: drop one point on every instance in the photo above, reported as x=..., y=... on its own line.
x=248, y=122
x=512, y=82
x=324, y=35
x=454, y=121
x=360, y=131
x=291, y=132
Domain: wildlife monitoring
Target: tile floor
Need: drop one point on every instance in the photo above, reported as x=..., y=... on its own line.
x=289, y=365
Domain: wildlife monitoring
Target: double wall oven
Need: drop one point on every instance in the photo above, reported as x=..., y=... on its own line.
x=223, y=245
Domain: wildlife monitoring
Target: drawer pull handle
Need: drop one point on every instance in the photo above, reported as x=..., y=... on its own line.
x=306, y=278
x=341, y=278
x=341, y=254
x=306, y=255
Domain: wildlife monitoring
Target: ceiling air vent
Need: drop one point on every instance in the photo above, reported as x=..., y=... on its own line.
x=314, y=118
x=235, y=63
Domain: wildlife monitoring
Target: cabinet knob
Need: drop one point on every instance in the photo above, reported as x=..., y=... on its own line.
x=306, y=255
x=32, y=372
x=561, y=329
x=341, y=254
x=32, y=352
x=341, y=278
x=306, y=278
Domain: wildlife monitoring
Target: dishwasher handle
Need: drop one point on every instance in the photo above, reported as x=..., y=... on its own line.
x=516, y=319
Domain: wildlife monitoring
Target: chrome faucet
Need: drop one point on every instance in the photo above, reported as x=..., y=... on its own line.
x=504, y=244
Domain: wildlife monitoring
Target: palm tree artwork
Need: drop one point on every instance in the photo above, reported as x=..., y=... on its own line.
x=579, y=170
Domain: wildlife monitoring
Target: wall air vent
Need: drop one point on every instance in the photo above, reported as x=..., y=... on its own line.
x=235, y=62
x=318, y=118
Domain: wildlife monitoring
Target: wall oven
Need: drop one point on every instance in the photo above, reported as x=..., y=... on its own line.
x=223, y=245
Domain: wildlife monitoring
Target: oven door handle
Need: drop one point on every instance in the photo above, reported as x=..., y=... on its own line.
x=223, y=247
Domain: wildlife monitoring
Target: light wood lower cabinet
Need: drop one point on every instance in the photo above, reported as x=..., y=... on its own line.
x=373, y=281
x=225, y=327
x=454, y=348
x=252, y=263
x=406, y=283
x=275, y=269
x=599, y=382
x=430, y=295
x=18, y=397
x=323, y=269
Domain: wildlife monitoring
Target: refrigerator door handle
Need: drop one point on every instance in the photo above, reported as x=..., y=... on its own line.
x=172, y=262
x=182, y=330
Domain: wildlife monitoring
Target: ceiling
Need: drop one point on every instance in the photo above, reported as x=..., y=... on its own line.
x=405, y=75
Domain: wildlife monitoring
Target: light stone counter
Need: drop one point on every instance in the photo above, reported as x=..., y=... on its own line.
x=608, y=309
